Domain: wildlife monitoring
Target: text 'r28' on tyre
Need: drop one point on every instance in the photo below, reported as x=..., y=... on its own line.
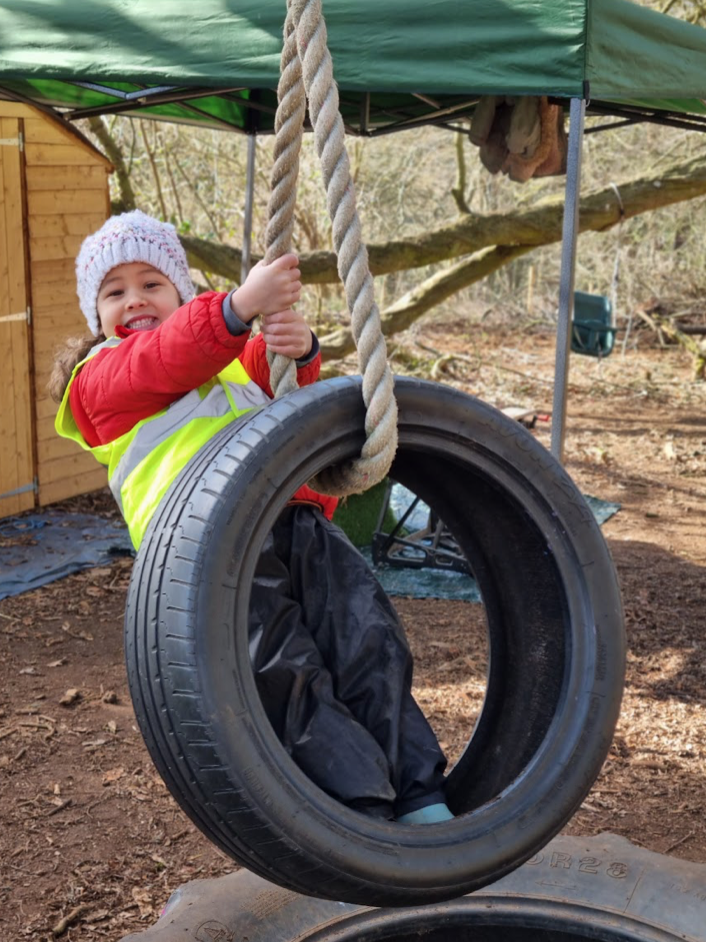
x=555, y=637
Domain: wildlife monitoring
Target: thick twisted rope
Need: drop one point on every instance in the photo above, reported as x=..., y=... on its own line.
x=307, y=72
x=289, y=125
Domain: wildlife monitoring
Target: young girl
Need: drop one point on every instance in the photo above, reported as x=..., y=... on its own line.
x=161, y=373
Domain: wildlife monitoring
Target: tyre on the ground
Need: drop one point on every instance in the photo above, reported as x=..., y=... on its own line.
x=555, y=632
x=599, y=888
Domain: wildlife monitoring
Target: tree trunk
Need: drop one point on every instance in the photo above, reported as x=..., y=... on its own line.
x=115, y=155
x=529, y=228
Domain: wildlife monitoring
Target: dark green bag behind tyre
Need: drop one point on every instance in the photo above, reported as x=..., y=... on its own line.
x=555, y=637
x=599, y=888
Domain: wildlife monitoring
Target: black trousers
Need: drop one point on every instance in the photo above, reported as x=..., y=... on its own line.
x=334, y=671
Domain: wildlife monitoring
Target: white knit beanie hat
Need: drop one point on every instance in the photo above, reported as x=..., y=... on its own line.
x=130, y=237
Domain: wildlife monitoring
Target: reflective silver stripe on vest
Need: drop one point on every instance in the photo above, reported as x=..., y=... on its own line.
x=214, y=404
x=110, y=342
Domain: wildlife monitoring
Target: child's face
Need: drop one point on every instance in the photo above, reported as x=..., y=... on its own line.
x=135, y=296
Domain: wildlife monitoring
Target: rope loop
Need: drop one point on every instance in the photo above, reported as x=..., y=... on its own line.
x=306, y=72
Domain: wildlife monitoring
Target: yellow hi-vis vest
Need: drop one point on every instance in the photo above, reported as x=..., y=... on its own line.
x=143, y=462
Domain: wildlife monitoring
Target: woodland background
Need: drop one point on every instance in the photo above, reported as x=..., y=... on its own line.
x=92, y=844
x=444, y=235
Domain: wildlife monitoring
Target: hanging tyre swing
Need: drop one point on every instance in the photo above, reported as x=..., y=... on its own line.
x=550, y=592
x=555, y=639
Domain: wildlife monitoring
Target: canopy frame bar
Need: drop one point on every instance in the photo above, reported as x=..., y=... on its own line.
x=435, y=116
x=145, y=93
x=245, y=259
x=121, y=109
x=690, y=122
x=135, y=100
x=397, y=117
x=569, y=242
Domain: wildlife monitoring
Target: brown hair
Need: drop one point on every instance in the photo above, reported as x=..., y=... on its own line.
x=65, y=360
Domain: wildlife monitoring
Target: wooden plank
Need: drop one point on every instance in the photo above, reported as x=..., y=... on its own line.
x=16, y=468
x=42, y=373
x=42, y=130
x=9, y=506
x=44, y=291
x=54, y=272
x=15, y=109
x=46, y=431
x=58, y=155
x=45, y=428
x=78, y=224
x=44, y=366
x=43, y=370
x=86, y=177
x=76, y=463
x=50, y=339
x=65, y=289
x=62, y=201
x=51, y=447
x=43, y=248
x=45, y=407
x=71, y=486
x=46, y=410
x=68, y=485
x=55, y=316
x=9, y=470
x=56, y=326
x=16, y=432
x=6, y=127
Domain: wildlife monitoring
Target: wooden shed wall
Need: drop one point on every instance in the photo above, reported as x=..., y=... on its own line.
x=67, y=197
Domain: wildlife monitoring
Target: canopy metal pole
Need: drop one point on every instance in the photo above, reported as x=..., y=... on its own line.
x=247, y=216
x=566, y=281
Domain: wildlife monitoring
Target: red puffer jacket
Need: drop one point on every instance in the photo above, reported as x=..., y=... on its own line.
x=119, y=387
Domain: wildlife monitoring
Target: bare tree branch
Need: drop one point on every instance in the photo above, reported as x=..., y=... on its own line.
x=459, y=191
x=428, y=294
x=191, y=184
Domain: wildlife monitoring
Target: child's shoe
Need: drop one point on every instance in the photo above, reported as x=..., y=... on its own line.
x=432, y=814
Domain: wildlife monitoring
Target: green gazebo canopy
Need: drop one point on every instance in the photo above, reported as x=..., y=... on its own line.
x=397, y=63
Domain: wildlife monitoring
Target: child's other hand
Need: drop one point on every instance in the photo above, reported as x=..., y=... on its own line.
x=268, y=289
x=286, y=332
